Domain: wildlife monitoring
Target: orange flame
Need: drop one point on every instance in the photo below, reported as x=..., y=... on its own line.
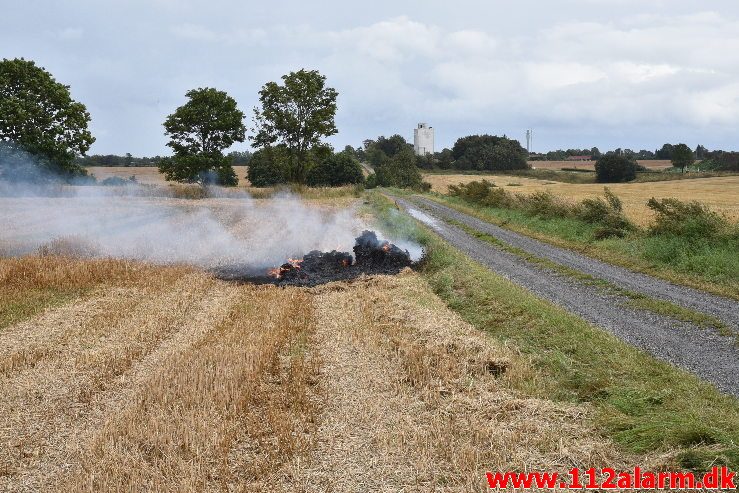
x=386, y=247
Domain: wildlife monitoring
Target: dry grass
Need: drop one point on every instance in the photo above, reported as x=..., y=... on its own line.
x=719, y=193
x=164, y=379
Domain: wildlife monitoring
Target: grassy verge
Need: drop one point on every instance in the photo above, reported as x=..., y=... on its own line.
x=645, y=405
x=711, y=265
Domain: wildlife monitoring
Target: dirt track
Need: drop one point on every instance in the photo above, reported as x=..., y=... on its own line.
x=675, y=341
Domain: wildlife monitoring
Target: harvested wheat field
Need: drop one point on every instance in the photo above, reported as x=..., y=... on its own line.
x=590, y=165
x=148, y=175
x=147, y=378
x=719, y=193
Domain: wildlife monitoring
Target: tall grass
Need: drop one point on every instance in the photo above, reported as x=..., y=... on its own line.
x=607, y=212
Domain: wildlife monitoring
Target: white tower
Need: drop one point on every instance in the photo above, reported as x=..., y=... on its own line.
x=423, y=139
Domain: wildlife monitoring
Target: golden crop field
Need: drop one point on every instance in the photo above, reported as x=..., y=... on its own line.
x=648, y=163
x=719, y=193
x=165, y=379
x=149, y=175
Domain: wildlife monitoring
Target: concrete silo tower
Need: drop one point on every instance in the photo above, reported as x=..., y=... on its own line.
x=423, y=139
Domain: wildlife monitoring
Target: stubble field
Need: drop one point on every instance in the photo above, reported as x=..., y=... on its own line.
x=149, y=175
x=123, y=375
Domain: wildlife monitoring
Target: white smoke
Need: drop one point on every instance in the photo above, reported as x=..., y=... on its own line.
x=206, y=232
x=119, y=222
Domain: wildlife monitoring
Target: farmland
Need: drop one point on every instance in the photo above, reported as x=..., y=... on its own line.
x=149, y=175
x=130, y=376
x=719, y=193
x=656, y=164
x=126, y=365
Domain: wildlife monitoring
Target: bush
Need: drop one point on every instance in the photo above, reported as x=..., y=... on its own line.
x=268, y=167
x=688, y=219
x=606, y=212
x=614, y=169
x=371, y=181
x=113, y=181
x=339, y=169
x=544, y=204
x=400, y=171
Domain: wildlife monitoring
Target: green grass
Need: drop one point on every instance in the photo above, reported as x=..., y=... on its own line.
x=643, y=404
x=16, y=309
x=709, y=265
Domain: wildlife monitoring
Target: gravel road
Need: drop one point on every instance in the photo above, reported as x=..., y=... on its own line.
x=703, y=352
x=724, y=309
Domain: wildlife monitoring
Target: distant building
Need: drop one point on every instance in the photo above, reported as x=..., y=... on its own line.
x=423, y=139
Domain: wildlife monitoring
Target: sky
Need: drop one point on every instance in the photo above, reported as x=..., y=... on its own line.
x=580, y=73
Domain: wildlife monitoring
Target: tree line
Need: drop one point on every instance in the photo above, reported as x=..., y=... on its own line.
x=44, y=132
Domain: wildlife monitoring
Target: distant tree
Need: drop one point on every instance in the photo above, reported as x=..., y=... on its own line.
x=400, y=171
x=268, y=166
x=595, y=153
x=701, y=152
x=297, y=114
x=614, y=168
x=339, y=169
x=488, y=152
x=682, y=157
x=199, y=131
x=240, y=158
x=39, y=117
x=392, y=145
x=665, y=152
x=445, y=159
x=129, y=160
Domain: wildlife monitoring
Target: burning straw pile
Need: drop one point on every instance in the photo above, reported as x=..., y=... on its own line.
x=371, y=256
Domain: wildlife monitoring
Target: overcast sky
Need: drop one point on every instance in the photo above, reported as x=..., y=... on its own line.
x=609, y=73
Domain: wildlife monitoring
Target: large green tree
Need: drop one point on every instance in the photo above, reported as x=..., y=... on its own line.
x=400, y=171
x=297, y=114
x=41, y=127
x=682, y=157
x=199, y=132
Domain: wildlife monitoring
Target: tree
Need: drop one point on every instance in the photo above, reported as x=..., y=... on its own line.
x=682, y=157
x=339, y=169
x=665, y=152
x=701, y=152
x=199, y=131
x=297, y=114
x=614, y=168
x=268, y=166
x=39, y=117
x=488, y=152
x=400, y=171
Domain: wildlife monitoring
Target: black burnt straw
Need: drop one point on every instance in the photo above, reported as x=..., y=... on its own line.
x=373, y=256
